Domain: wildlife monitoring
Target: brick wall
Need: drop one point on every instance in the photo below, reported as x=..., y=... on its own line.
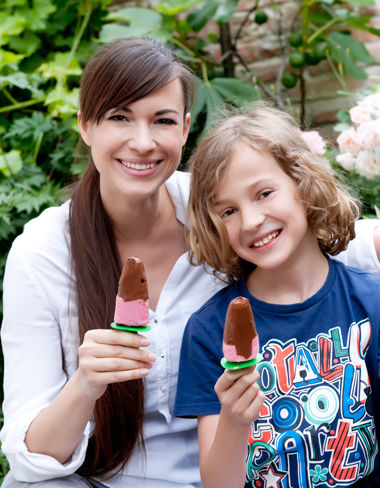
x=261, y=46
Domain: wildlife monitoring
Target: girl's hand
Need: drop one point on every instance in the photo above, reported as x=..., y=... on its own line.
x=240, y=395
x=109, y=356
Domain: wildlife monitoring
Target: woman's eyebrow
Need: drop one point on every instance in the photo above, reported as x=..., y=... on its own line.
x=162, y=111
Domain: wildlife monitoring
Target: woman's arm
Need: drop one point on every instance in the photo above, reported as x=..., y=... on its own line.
x=106, y=356
x=223, y=438
x=376, y=238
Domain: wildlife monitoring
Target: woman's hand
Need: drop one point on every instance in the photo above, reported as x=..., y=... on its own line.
x=239, y=394
x=109, y=356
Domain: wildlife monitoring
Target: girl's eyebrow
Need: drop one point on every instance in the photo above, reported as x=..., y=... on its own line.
x=263, y=181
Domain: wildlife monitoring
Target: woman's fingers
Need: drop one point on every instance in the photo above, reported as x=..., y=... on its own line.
x=109, y=356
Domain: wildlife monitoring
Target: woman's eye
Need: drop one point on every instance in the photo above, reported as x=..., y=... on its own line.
x=117, y=117
x=166, y=122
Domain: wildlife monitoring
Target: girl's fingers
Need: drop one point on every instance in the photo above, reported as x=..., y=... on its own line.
x=236, y=380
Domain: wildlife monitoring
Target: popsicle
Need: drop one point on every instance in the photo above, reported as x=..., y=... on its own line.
x=132, y=300
x=240, y=340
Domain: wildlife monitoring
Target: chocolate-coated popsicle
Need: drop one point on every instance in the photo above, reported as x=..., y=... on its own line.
x=240, y=340
x=132, y=301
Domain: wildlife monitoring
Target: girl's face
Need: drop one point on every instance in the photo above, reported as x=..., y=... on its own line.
x=257, y=201
x=136, y=149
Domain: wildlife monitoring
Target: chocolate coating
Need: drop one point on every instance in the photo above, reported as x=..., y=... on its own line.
x=132, y=283
x=239, y=328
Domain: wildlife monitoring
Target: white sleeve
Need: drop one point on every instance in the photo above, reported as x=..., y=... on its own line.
x=361, y=252
x=34, y=369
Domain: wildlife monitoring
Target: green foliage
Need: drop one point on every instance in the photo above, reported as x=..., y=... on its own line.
x=43, y=45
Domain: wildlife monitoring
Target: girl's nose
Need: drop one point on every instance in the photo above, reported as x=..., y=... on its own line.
x=141, y=139
x=251, y=219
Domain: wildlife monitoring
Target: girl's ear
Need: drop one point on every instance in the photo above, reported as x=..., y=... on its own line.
x=84, y=129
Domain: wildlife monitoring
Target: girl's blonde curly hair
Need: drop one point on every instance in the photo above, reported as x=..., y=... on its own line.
x=331, y=211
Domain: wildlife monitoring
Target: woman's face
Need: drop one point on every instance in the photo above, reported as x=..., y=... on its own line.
x=136, y=149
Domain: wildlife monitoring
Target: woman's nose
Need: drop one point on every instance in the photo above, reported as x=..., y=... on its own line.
x=141, y=139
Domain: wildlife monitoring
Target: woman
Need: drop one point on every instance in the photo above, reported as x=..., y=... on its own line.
x=67, y=410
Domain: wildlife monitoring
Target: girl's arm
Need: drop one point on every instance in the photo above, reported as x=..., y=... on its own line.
x=223, y=438
x=106, y=356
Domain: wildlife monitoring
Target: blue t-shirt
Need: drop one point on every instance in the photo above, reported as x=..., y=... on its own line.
x=320, y=375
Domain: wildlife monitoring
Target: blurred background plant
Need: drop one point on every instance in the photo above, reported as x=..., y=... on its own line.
x=357, y=154
x=44, y=45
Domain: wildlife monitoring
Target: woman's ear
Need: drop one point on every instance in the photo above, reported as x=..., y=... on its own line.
x=83, y=129
x=186, y=127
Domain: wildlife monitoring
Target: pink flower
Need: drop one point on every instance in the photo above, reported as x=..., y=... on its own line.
x=349, y=141
x=314, y=141
x=360, y=113
x=369, y=134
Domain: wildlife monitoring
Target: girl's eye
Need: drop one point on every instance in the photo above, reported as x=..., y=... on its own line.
x=264, y=194
x=226, y=213
x=166, y=122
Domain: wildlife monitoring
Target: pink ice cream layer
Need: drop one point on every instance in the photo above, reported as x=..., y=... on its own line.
x=131, y=312
x=230, y=353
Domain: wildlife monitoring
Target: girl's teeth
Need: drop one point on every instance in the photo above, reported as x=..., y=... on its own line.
x=127, y=164
x=266, y=239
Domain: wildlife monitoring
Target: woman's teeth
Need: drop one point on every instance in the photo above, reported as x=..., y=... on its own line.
x=140, y=166
x=266, y=239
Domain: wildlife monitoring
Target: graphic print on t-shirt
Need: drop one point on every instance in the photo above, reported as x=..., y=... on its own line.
x=316, y=427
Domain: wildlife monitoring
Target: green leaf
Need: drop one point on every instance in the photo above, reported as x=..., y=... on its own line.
x=377, y=210
x=361, y=24
x=198, y=19
x=22, y=81
x=235, y=91
x=58, y=69
x=30, y=127
x=7, y=57
x=364, y=3
x=344, y=116
x=36, y=16
x=357, y=49
x=62, y=103
x=225, y=10
x=346, y=50
x=10, y=163
x=10, y=25
x=174, y=7
x=141, y=22
x=26, y=44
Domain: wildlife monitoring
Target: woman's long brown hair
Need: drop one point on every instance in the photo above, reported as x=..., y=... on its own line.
x=118, y=74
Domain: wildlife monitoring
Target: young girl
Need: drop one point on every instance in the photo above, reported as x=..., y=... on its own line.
x=266, y=213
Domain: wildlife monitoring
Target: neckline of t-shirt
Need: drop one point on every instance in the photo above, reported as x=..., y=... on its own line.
x=294, y=307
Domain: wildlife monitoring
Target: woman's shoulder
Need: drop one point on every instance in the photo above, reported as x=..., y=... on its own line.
x=178, y=186
x=48, y=231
